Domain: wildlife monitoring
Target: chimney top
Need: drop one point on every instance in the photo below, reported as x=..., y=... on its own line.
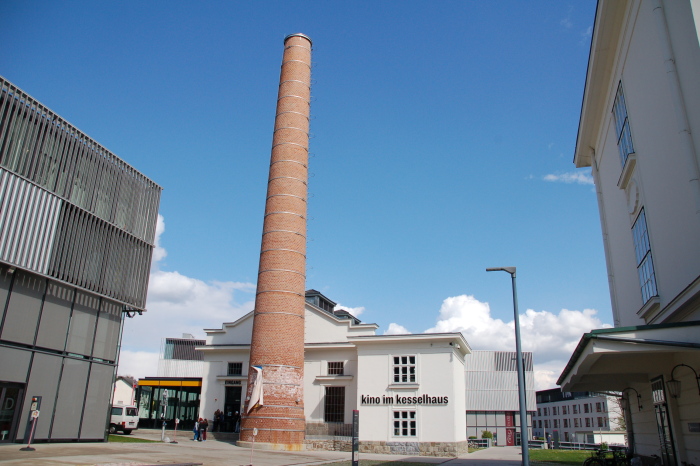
x=298, y=34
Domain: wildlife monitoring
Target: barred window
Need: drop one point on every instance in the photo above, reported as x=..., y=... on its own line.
x=335, y=368
x=404, y=423
x=404, y=369
x=235, y=368
x=622, y=126
x=645, y=265
x=334, y=404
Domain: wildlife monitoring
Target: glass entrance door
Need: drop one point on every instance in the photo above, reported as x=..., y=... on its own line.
x=10, y=399
x=668, y=454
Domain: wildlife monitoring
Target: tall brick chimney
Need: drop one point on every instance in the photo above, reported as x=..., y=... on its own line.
x=278, y=326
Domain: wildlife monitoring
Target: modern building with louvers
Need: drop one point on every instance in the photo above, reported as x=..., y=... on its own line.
x=77, y=228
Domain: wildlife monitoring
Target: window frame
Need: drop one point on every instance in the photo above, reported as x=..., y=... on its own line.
x=644, y=257
x=406, y=421
x=231, y=365
x=401, y=368
x=623, y=133
x=336, y=367
x=334, y=400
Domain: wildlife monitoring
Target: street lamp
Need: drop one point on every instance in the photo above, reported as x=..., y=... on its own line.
x=521, y=369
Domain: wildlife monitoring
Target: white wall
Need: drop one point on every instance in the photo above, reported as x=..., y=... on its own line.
x=435, y=376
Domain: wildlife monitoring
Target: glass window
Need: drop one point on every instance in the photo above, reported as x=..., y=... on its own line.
x=116, y=411
x=645, y=265
x=622, y=126
x=404, y=369
x=334, y=404
x=235, y=368
x=404, y=423
x=335, y=368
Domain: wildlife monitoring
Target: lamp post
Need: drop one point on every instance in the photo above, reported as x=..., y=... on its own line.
x=521, y=369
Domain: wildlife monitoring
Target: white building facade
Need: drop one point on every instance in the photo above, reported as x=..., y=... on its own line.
x=409, y=389
x=639, y=127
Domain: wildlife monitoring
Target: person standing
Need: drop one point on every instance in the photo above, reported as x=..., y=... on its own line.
x=216, y=426
x=203, y=424
x=196, y=430
x=236, y=422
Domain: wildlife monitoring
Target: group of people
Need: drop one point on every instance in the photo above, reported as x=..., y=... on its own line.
x=227, y=424
x=201, y=425
x=200, y=430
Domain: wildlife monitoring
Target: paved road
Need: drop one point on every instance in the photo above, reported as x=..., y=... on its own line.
x=214, y=453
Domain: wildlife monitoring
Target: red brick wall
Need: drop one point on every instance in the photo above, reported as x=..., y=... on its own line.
x=278, y=326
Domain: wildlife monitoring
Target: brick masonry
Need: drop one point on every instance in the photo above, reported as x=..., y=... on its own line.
x=278, y=326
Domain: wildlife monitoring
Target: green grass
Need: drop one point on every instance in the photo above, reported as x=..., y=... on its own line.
x=128, y=439
x=559, y=456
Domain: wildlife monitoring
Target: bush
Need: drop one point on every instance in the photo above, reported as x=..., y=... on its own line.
x=604, y=446
x=486, y=434
x=472, y=437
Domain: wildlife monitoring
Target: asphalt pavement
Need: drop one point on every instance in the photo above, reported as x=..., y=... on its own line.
x=214, y=453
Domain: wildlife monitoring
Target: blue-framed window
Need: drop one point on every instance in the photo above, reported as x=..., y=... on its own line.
x=645, y=264
x=622, y=126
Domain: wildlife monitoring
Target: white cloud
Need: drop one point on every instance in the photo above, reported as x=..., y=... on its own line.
x=356, y=311
x=396, y=329
x=551, y=337
x=178, y=304
x=570, y=177
x=138, y=364
x=159, y=253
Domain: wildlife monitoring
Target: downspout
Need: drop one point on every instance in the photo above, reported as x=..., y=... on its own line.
x=606, y=246
x=687, y=143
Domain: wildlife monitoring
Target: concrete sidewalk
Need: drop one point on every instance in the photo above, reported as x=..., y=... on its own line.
x=212, y=452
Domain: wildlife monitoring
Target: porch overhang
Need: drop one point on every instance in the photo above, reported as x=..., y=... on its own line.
x=614, y=359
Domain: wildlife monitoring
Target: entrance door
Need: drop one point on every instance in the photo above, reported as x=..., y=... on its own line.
x=232, y=403
x=668, y=454
x=10, y=399
x=510, y=437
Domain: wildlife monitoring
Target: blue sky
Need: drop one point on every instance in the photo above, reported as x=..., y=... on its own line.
x=443, y=137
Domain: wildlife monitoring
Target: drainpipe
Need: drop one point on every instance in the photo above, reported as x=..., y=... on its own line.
x=688, y=146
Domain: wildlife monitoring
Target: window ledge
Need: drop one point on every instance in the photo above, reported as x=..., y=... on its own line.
x=650, y=309
x=404, y=386
x=333, y=379
x=627, y=171
x=231, y=377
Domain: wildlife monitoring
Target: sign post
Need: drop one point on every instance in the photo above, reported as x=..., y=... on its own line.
x=31, y=426
x=355, y=437
x=177, y=421
x=164, y=403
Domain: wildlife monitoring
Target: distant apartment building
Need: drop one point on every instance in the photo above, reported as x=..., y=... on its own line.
x=575, y=417
x=77, y=229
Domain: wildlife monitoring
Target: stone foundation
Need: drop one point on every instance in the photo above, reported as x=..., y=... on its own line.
x=441, y=449
x=328, y=444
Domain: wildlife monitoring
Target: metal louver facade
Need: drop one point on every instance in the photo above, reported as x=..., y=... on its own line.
x=70, y=209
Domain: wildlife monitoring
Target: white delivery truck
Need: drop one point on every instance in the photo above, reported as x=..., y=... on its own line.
x=124, y=419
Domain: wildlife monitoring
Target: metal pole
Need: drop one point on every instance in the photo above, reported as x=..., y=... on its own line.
x=521, y=369
x=521, y=379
